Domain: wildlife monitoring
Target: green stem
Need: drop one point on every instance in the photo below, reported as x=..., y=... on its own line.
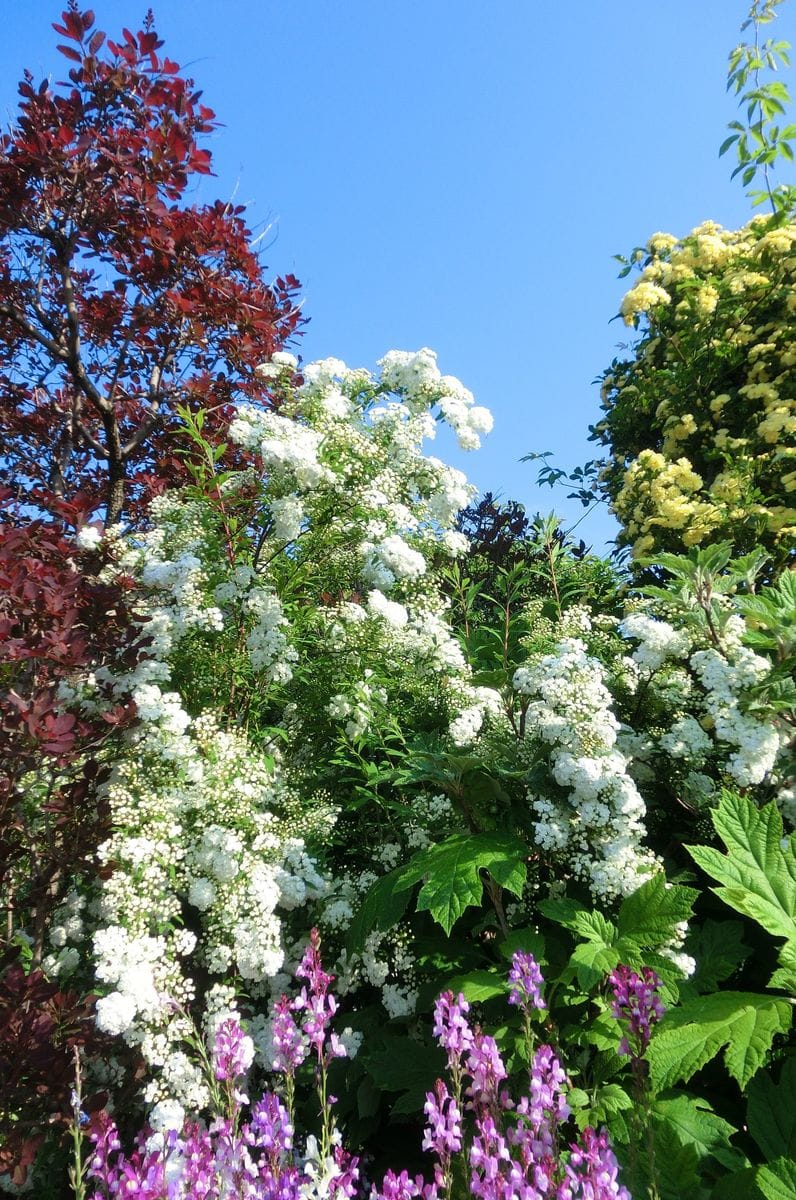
x=78, y=1168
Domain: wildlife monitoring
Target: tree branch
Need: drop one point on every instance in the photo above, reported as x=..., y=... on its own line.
x=56, y=349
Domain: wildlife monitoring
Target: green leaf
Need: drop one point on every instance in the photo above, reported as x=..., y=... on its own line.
x=758, y=873
x=785, y=977
x=740, y=1186
x=407, y=1066
x=382, y=907
x=695, y=1124
x=718, y=948
x=608, y=1107
x=478, y=985
x=777, y=1180
x=592, y=962
x=574, y=916
x=676, y=1163
x=452, y=872
x=771, y=1112
x=563, y=910
x=741, y=1023
x=651, y=914
x=524, y=939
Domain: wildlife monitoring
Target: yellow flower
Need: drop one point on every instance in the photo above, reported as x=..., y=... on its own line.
x=778, y=423
x=726, y=487
x=659, y=243
x=707, y=299
x=641, y=298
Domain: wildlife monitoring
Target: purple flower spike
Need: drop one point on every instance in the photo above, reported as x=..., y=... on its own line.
x=399, y=1187
x=233, y=1051
x=486, y=1069
x=527, y=982
x=450, y=1026
x=637, y=1005
x=288, y=1044
x=310, y=967
x=443, y=1133
x=317, y=1004
x=271, y=1129
x=592, y=1171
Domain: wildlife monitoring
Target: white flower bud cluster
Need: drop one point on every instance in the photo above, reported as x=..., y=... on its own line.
x=658, y=641
x=199, y=833
x=598, y=827
x=724, y=679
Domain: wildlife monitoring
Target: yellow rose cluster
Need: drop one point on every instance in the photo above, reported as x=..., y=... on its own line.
x=701, y=421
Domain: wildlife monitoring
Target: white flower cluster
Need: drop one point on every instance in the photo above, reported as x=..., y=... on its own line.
x=724, y=678
x=686, y=739
x=67, y=926
x=358, y=708
x=724, y=674
x=657, y=640
x=197, y=831
x=418, y=376
x=480, y=703
x=599, y=825
x=389, y=560
x=289, y=450
x=340, y=446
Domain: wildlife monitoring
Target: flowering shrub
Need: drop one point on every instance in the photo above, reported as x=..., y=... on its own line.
x=314, y=687
x=700, y=421
x=300, y=688
x=507, y=1146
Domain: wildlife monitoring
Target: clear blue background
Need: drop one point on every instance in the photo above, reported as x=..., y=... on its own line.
x=456, y=174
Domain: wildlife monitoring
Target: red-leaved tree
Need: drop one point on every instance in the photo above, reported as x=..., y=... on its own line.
x=118, y=301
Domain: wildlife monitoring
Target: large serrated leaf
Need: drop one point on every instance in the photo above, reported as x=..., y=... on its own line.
x=676, y=1162
x=452, y=872
x=651, y=914
x=695, y=1124
x=592, y=926
x=592, y=962
x=777, y=1180
x=742, y=1024
x=718, y=948
x=758, y=872
x=771, y=1112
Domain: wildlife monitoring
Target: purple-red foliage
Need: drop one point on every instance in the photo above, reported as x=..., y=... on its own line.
x=56, y=621
x=41, y=1028
x=118, y=301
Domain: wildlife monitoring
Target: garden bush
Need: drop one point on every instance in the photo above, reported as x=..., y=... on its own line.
x=273, y=678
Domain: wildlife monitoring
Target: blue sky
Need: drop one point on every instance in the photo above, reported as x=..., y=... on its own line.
x=457, y=174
